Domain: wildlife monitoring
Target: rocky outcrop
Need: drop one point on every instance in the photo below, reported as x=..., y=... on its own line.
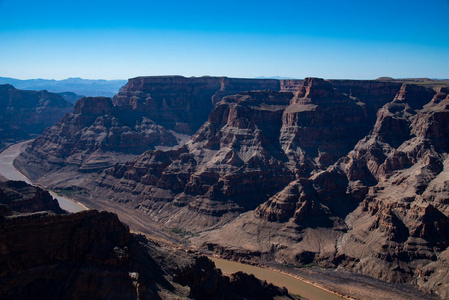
x=92, y=255
x=322, y=123
x=252, y=146
x=381, y=210
x=19, y=197
x=23, y=113
x=183, y=104
x=95, y=136
x=399, y=207
x=290, y=85
x=230, y=165
x=206, y=283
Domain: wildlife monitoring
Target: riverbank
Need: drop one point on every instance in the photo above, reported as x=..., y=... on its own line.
x=8, y=171
x=320, y=283
x=294, y=285
x=355, y=286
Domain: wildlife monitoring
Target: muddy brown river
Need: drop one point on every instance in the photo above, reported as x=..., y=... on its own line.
x=294, y=286
x=7, y=170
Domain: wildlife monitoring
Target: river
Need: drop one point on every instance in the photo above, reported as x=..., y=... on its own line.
x=294, y=285
x=7, y=170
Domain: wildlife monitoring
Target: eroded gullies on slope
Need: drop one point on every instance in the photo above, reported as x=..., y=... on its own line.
x=339, y=173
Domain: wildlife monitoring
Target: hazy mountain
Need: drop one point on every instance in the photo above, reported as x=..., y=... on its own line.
x=85, y=87
x=70, y=97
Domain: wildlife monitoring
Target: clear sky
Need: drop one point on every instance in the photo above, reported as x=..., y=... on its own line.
x=236, y=38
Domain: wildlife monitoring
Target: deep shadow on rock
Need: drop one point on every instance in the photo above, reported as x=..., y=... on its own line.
x=92, y=255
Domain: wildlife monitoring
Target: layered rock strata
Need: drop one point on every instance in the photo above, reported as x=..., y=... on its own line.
x=95, y=136
x=219, y=173
x=349, y=174
x=252, y=146
x=148, y=113
x=183, y=104
x=380, y=210
x=92, y=255
x=24, y=113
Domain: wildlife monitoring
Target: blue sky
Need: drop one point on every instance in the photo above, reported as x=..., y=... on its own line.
x=122, y=39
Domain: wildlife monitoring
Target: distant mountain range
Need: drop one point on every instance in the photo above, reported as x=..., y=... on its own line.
x=79, y=86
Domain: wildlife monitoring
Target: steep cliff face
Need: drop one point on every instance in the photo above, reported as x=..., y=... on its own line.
x=183, y=104
x=381, y=210
x=28, y=112
x=252, y=146
x=230, y=165
x=92, y=255
x=95, y=136
x=290, y=85
x=322, y=123
x=148, y=112
x=175, y=102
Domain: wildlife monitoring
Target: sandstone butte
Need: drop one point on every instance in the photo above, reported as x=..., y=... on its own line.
x=340, y=173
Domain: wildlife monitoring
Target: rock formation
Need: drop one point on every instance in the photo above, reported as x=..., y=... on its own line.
x=230, y=165
x=19, y=197
x=183, y=104
x=252, y=146
x=92, y=255
x=148, y=113
x=23, y=113
x=380, y=210
x=86, y=137
x=349, y=174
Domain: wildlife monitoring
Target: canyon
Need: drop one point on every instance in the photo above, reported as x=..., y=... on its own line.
x=344, y=174
x=92, y=255
x=147, y=113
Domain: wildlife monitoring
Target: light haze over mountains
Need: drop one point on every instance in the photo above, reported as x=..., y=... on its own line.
x=83, y=87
